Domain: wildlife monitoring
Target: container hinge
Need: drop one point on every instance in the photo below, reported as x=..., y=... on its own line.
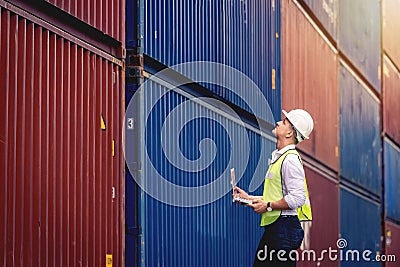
x=133, y=231
x=134, y=66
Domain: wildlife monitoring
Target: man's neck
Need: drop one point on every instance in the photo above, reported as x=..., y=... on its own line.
x=283, y=143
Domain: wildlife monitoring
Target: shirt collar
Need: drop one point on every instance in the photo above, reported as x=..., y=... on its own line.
x=277, y=153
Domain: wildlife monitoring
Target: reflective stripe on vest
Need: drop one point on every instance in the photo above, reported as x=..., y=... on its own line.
x=273, y=191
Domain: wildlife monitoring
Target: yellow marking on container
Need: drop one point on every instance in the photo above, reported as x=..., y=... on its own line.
x=103, y=123
x=112, y=148
x=273, y=78
x=276, y=35
x=108, y=260
x=336, y=151
x=388, y=233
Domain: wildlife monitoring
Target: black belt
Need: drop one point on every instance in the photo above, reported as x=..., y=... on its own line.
x=288, y=216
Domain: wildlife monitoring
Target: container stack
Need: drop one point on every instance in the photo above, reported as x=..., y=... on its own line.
x=61, y=86
x=334, y=66
x=391, y=125
x=310, y=81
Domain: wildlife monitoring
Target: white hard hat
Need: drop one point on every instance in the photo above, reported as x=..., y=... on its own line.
x=301, y=121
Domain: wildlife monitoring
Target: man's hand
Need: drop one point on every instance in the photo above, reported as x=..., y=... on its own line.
x=259, y=206
x=238, y=192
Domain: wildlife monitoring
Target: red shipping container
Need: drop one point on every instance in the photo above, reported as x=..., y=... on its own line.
x=310, y=81
x=390, y=29
x=61, y=174
x=106, y=15
x=392, y=233
x=324, y=230
x=391, y=96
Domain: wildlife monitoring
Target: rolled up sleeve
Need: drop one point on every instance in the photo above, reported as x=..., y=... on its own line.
x=293, y=177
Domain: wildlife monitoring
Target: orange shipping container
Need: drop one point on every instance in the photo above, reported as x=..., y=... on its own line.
x=390, y=29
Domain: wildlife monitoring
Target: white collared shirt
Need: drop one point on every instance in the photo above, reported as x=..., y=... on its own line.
x=293, y=180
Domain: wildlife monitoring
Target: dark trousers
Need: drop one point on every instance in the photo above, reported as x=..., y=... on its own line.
x=277, y=242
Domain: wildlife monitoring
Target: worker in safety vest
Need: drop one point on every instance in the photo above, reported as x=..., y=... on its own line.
x=285, y=201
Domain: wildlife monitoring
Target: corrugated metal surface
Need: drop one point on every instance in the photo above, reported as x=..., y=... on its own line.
x=57, y=168
x=392, y=232
x=323, y=231
x=359, y=226
x=191, y=232
x=392, y=184
x=325, y=11
x=105, y=15
x=359, y=36
x=359, y=133
x=241, y=34
x=309, y=81
x=391, y=96
x=390, y=29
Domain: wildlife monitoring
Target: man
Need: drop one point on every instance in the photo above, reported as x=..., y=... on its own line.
x=285, y=197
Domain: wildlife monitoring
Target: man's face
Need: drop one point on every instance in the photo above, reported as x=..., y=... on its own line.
x=282, y=128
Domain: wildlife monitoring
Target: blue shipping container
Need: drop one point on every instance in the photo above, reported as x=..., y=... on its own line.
x=359, y=229
x=180, y=151
x=326, y=13
x=360, y=143
x=392, y=184
x=244, y=35
x=359, y=36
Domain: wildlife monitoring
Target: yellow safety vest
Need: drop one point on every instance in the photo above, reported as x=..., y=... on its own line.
x=273, y=191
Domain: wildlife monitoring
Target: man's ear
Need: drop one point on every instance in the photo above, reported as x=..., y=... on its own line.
x=290, y=133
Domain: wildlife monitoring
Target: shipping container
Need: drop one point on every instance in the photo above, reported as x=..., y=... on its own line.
x=323, y=231
x=390, y=29
x=359, y=35
x=61, y=147
x=391, y=96
x=392, y=234
x=52, y=14
x=360, y=142
x=180, y=150
x=106, y=15
x=392, y=184
x=309, y=81
x=244, y=35
x=360, y=229
x=325, y=12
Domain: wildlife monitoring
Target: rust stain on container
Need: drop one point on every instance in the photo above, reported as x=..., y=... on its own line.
x=309, y=81
x=56, y=165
